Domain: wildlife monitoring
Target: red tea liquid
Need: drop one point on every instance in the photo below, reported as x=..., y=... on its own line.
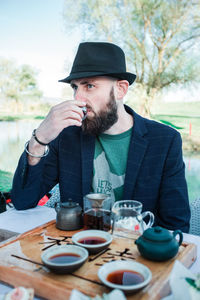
x=92, y=240
x=97, y=219
x=63, y=258
x=125, y=277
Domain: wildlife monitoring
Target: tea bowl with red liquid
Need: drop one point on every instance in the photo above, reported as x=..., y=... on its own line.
x=93, y=240
x=128, y=276
x=64, y=259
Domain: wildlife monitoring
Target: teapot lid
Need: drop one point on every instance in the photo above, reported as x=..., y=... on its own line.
x=157, y=234
x=69, y=204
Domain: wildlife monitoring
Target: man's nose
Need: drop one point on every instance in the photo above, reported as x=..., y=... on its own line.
x=79, y=95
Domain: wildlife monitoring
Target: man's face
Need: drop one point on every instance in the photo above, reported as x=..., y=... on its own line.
x=98, y=93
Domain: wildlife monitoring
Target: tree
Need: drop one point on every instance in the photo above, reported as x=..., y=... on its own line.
x=18, y=82
x=160, y=38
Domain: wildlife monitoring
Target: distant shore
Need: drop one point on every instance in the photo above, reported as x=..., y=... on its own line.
x=191, y=143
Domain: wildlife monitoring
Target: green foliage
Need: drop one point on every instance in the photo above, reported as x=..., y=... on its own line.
x=170, y=124
x=5, y=181
x=160, y=38
x=17, y=82
x=39, y=118
x=193, y=282
x=21, y=117
x=9, y=118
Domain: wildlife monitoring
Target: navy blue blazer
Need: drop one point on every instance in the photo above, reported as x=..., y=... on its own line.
x=155, y=173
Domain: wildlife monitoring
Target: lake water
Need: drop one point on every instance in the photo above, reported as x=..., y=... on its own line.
x=15, y=134
x=13, y=137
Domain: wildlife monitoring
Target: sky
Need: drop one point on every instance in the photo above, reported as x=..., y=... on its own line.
x=32, y=32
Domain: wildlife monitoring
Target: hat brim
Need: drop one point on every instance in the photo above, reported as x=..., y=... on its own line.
x=123, y=76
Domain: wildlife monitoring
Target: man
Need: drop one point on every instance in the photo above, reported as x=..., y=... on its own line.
x=113, y=150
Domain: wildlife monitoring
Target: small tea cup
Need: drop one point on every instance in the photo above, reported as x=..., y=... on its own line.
x=93, y=240
x=64, y=259
x=107, y=276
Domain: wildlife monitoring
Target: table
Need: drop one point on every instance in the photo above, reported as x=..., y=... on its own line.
x=21, y=221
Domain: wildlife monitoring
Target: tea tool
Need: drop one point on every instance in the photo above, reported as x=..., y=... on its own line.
x=128, y=218
x=121, y=265
x=96, y=200
x=90, y=244
x=97, y=211
x=84, y=109
x=158, y=243
x=65, y=266
x=69, y=215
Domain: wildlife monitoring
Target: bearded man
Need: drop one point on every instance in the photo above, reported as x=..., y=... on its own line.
x=107, y=149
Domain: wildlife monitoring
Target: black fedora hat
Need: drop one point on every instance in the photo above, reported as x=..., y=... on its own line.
x=99, y=59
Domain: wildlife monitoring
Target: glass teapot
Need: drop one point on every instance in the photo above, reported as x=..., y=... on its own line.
x=128, y=218
x=159, y=244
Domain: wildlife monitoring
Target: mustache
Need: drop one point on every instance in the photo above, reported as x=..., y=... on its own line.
x=89, y=107
x=102, y=120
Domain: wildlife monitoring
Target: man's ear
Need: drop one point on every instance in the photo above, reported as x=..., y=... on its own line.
x=122, y=88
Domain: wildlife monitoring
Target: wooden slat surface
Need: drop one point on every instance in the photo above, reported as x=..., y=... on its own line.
x=48, y=285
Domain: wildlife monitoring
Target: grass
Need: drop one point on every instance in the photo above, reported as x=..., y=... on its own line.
x=179, y=114
x=182, y=123
x=12, y=118
x=185, y=117
x=19, y=117
x=9, y=118
x=188, y=109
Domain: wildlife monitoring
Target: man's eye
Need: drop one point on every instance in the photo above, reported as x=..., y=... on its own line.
x=90, y=86
x=74, y=87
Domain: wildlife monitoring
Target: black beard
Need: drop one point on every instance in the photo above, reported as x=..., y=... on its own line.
x=103, y=120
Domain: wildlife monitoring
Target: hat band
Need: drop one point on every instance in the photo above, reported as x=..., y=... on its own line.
x=95, y=68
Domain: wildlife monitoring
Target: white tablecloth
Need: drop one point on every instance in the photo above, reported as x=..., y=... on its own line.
x=21, y=221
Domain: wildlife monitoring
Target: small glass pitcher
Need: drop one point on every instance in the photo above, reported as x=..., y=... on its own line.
x=97, y=211
x=128, y=218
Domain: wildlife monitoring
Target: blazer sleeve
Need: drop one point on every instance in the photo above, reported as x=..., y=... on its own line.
x=173, y=209
x=31, y=183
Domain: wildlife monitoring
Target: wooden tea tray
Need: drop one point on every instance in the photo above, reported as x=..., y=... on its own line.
x=30, y=245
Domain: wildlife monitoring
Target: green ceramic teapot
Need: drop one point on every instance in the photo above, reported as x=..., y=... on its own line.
x=158, y=243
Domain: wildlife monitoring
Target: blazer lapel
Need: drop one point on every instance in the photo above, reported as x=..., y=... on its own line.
x=87, y=147
x=138, y=146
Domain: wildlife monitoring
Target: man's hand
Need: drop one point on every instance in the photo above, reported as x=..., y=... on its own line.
x=65, y=114
x=62, y=115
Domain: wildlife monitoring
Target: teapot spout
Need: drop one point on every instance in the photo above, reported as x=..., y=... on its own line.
x=137, y=242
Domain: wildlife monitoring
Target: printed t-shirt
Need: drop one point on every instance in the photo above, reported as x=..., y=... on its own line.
x=109, y=167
